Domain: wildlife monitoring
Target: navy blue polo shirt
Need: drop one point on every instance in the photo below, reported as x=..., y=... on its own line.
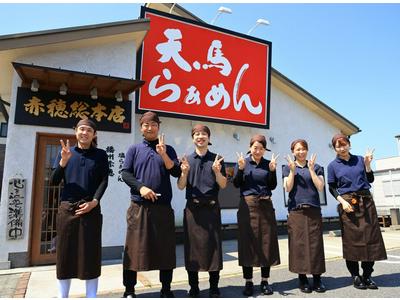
x=349, y=176
x=201, y=181
x=147, y=166
x=304, y=190
x=257, y=179
x=83, y=174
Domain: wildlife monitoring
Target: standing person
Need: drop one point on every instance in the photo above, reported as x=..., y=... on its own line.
x=150, y=237
x=203, y=174
x=302, y=180
x=84, y=170
x=258, y=238
x=349, y=178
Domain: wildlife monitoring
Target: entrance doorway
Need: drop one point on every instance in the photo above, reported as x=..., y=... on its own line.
x=46, y=199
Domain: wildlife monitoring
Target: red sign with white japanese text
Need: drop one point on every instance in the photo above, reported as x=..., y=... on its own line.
x=198, y=71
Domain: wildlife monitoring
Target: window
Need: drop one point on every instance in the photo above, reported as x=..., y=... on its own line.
x=3, y=129
x=229, y=197
x=391, y=188
x=322, y=195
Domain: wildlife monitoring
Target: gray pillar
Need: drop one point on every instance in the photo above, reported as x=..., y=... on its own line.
x=395, y=216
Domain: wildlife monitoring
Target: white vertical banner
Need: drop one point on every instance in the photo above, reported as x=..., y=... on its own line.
x=16, y=208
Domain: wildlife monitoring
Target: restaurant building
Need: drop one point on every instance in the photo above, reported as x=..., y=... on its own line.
x=174, y=64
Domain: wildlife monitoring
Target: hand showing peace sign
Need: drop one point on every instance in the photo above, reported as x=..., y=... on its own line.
x=369, y=155
x=185, y=167
x=311, y=162
x=241, y=161
x=161, y=148
x=216, y=167
x=65, y=153
x=272, y=164
x=291, y=163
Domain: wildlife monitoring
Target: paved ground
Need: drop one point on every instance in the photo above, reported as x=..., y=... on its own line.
x=284, y=283
x=40, y=282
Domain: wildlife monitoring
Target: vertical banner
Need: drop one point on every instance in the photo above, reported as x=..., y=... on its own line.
x=199, y=71
x=16, y=208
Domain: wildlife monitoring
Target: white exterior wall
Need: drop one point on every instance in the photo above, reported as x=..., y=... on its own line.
x=285, y=127
x=289, y=120
x=387, y=170
x=117, y=60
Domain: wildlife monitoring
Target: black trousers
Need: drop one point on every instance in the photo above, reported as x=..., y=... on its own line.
x=194, y=279
x=248, y=272
x=130, y=279
x=353, y=267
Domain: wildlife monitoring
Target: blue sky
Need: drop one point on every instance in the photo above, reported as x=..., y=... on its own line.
x=346, y=55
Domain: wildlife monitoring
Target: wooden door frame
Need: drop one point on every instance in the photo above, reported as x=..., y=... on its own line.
x=37, y=187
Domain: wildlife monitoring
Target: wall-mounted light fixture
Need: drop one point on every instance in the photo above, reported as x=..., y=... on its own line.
x=118, y=96
x=63, y=89
x=272, y=140
x=219, y=12
x=258, y=22
x=172, y=8
x=93, y=93
x=35, y=85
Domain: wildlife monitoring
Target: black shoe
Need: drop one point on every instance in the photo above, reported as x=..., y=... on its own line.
x=194, y=292
x=166, y=294
x=304, y=286
x=129, y=295
x=319, y=287
x=369, y=283
x=358, y=283
x=266, y=289
x=214, y=293
x=248, y=289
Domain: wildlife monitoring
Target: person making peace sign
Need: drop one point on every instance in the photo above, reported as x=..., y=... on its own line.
x=258, y=239
x=203, y=174
x=302, y=180
x=84, y=170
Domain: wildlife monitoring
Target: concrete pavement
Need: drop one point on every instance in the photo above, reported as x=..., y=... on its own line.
x=42, y=281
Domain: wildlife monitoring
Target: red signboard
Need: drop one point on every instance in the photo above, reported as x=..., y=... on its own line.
x=198, y=71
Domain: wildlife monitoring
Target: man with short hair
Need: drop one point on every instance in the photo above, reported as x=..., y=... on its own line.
x=203, y=174
x=150, y=237
x=84, y=170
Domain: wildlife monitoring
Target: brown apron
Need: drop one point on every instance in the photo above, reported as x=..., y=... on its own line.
x=78, y=242
x=202, y=231
x=306, y=245
x=258, y=238
x=150, y=237
x=361, y=234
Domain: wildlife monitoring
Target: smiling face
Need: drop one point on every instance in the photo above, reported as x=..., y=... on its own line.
x=150, y=130
x=300, y=152
x=257, y=150
x=84, y=135
x=342, y=148
x=201, y=139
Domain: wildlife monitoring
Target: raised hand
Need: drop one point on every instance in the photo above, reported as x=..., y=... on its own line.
x=369, y=155
x=65, y=153
x=311, y=161
x=185, y=167
x=241, y=160
x=216, y=167
x=291, y=163
x=272, y=163
x=161, y=148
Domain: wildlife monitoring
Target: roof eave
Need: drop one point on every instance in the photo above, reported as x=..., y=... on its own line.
x=45, y=37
